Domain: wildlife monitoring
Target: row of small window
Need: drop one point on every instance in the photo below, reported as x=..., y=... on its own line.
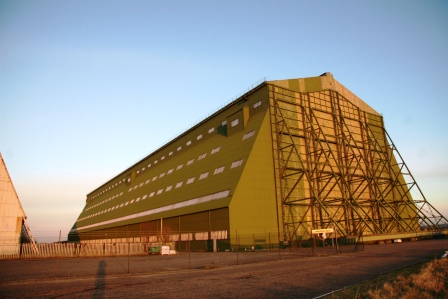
x=107, y=189
x=181, y=204
x=104, y=201
x=189, y=162
x=169, y=188
x=188, y=143
x=234, y=123
x=211, y=130
x=111, y=209
x=180, y=166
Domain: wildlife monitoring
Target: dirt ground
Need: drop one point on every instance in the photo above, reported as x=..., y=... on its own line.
x=295, y=273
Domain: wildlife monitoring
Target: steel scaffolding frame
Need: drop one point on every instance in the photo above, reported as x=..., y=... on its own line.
x=26, y=236
x=336, y=167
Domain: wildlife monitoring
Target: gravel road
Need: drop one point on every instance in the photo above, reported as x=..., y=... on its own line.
x=286, y=274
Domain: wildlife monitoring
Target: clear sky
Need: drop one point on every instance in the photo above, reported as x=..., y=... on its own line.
x=87, y=88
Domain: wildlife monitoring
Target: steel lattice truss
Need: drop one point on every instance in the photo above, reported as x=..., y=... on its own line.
x=336, y=167
x=26, y=236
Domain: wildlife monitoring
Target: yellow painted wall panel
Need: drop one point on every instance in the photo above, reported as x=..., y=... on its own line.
x=253, y=206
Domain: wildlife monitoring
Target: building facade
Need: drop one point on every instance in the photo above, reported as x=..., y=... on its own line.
x=287, y=158
x=14, y=230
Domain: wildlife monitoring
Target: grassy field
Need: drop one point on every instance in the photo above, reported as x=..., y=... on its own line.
x=425, y=280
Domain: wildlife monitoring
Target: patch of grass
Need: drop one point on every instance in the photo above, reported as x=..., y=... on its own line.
x=424, y=280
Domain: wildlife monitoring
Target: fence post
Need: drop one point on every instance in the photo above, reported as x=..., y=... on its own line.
x=279, y=247
x=129, y=248
x=253, y=242
x=237, y=246
x=336, y=237
x=57, y=254
x=189, y=257
x=270, y=244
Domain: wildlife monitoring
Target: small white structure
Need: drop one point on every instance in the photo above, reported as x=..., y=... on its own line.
x=13, y=226
x=164, y=250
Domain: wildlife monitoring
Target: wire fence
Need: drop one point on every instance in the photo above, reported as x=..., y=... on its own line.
x=140, y=243
x=73, y=259
x=151, y=243
x=80, y=260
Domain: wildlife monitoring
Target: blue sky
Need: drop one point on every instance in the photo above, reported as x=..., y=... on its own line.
x=87, y=88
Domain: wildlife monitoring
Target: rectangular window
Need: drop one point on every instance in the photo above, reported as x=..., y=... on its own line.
x=190, y=162
x=199, y=137
x=180, y=166
x=179, y=148
x=163, y=158
x=147, y=181
x=203, y=176
x=202, y=156
x=170, y=171
x=154, y=178
x=151, y=194
x=170, y=153
x=159, y=191
x=155, y=162
x=257, y=104
x=201, y=236
x=219, y=170
x=188, y=142
x=235, y=122
x=237, y=163
x=168, y=188
x=211, y=130
x=161, y=175
x=215, y=150
x=141, y=184
x=179, y=184
x=144, y=197
x=248, y=135
x=224, y=123
x=190, y=180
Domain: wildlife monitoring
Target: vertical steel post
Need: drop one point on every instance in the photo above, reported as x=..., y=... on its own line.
x=237, y=247
x=189, y=257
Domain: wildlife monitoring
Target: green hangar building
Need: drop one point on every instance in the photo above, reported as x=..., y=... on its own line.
x=287, y=159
